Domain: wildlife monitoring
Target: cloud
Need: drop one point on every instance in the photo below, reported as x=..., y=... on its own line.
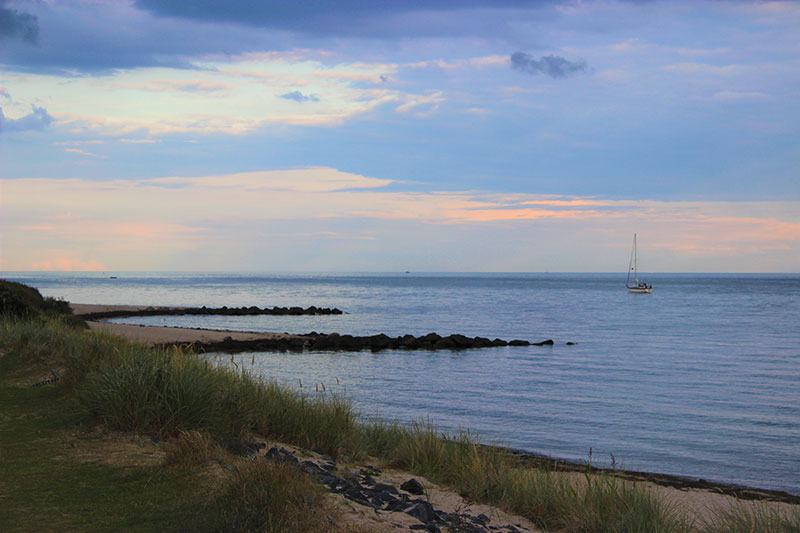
x=705, y=68
x=96, y=36
x=68, y=264
x=387, y=19
x=553, y=66
x=189, y=86
x=15, y=24
x=471, y=63
x=37, y=120
x=297, y=96
x=735, y=96
x=83, y=152
x=142, y=224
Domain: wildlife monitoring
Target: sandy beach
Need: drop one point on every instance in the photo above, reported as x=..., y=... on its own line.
x=160, y=334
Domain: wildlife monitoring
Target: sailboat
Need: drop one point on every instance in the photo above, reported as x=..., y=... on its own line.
x=637, y=286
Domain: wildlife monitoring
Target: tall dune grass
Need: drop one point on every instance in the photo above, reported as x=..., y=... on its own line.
x=751, y=517
x=598, y=502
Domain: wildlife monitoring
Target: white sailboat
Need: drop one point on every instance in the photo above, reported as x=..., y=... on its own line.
x=637, y=286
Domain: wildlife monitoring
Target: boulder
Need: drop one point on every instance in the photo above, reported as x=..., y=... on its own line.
x=412, y=486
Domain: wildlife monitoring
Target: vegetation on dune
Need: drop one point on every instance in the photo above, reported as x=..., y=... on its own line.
x=205, y=412
x=23, y=302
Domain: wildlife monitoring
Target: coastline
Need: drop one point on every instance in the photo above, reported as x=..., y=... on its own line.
x=677, y=486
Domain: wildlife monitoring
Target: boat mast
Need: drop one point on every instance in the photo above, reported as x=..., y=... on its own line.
x=632, y=262
x=635, y=260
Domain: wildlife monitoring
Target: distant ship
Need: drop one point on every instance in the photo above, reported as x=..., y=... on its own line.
x=638, y=286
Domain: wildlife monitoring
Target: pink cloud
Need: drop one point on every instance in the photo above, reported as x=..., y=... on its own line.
x=66, y=263
x=82, y=152
x=36, y=228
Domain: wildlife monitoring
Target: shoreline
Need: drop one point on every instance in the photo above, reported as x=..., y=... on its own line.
x=155, y=335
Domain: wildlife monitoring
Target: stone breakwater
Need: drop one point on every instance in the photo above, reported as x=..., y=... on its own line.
x=226, y=311
x=335, y=342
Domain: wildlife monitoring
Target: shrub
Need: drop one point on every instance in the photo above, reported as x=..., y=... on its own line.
x=20, y=301
x=266, y=496
x=191, y=448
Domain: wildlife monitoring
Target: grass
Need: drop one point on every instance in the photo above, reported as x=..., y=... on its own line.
x=192, y=448
x=48, y=482
x=492, y=475
x=265, y=496
x=58, y=469
x=198, y=407
x=746, y=517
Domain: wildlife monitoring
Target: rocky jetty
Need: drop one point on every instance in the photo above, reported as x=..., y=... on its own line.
x=335, y=342
x=227, y=311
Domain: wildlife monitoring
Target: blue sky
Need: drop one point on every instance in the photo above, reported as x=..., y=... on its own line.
x=395, y=135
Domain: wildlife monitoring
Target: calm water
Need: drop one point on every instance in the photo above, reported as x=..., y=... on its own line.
x=700, y=378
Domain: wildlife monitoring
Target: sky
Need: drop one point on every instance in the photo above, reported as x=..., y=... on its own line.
x=395, y=135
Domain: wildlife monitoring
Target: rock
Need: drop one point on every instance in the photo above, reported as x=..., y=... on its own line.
x=430, y=338
x=519, y=343
x=425, y=527
x=445, y=343
x=548, y=342
x=412, y=486
x=348, y=342
x=282, y=455
x=396, y=505
x=422, y=511
x=409, y=342
x=355, y=494
x=482, y=342
x=379, y=342
x=383, y=487
x=461, y=341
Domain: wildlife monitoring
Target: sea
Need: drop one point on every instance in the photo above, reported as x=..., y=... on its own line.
x=701, y=378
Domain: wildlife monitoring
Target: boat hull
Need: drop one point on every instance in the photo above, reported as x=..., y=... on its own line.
x=640, y=290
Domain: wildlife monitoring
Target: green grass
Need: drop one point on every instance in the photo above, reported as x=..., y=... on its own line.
x=264, y=496
x=491, y=475
x=48, y=481
x=751, y=517
x=44, y=488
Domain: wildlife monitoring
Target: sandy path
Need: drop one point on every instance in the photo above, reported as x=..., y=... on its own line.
x=162, y=334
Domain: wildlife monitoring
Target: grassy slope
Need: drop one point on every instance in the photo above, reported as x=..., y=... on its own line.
x=46, y=485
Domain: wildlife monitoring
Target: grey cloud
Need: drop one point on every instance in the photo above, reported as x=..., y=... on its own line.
x=37, y=120
x=384, y=19
x=15, y=24
x=297, y=96
x=84, y=37
x=553, y=66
